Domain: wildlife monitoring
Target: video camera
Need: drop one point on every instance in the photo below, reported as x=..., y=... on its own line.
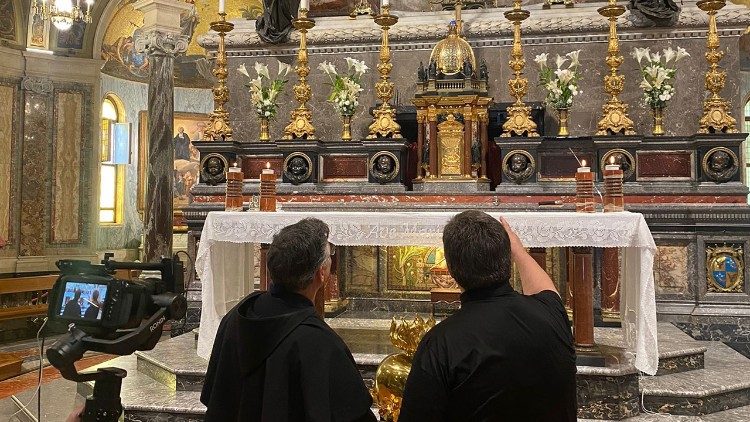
x=110, y=315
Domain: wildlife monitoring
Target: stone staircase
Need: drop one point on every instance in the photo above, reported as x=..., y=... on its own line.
x=696, y=381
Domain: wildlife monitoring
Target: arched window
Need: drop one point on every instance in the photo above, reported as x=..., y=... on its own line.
x=111, y=176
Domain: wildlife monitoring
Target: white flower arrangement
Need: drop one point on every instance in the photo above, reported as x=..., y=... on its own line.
x=658, y=71
x=345, y=89
x=264, y=91
x=562, y=83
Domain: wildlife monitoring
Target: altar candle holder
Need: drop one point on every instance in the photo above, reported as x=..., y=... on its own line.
x=585, y=189
x=218, y=128
x=268, y=189
x=613, y=197
x=235, y=179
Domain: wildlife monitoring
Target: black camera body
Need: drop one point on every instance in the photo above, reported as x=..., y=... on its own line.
x=90, y=297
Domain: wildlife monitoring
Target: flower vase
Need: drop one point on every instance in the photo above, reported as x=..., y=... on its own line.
x=563, y=114
x=264, y=133
x=346, y=135
x=658, y=121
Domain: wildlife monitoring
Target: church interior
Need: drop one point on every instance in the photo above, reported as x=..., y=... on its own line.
x=172, y=138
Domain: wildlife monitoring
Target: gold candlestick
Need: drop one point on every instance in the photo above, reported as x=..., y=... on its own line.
x=218, y=128
x=384, y=117
x=716, y=117
x=301, y=126
x=519, y=114
x=615, y=120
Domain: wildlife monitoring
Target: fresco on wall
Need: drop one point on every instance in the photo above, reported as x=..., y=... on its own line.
x=38, y=36
x=338, y=7
x=192, y=70
x=7, y=20
x=73, y=37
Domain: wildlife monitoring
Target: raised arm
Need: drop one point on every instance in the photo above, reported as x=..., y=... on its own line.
x=533, y=278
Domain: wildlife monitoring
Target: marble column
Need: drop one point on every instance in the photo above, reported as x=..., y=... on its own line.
x=161, y=40
x=483, y=123
x=468, y=134
x=420, y=142
x=610, y=285
x=432, y=119
x=583, y=302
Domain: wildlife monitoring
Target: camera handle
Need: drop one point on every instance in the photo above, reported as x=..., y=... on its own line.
x=105, y=404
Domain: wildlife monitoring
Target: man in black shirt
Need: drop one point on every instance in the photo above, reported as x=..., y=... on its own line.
x=504, y=356
x=274, y=359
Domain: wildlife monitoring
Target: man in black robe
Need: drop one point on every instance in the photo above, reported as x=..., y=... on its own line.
x=73, y=308
x=274, y=359
x=504, y=356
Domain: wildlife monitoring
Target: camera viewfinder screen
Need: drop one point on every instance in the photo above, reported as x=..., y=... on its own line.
x=83, y=301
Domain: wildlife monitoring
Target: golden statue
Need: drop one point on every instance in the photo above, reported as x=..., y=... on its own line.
x=391, y=375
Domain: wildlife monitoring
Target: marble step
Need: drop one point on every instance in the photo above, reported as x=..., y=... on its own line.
x=738, y=414
x=723, y=384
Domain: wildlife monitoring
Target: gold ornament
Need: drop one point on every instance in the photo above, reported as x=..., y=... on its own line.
x=615, y=119
x=716, y=116
x=301, y=126
x=384, y=117
x=392, y=372
x=218, y=128
x=519, y=121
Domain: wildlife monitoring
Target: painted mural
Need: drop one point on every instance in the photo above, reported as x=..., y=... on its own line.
x=73, y=37
x=192, y=70
x=8, y=20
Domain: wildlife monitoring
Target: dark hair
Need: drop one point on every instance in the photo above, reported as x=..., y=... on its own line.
x=477, y=250
x=296, y=253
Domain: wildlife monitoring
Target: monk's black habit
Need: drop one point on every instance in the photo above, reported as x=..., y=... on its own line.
x=275, y=360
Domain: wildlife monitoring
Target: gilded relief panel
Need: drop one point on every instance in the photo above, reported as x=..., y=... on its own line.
x=66, y=168
x=416, y=268
x=363, y=269
x=670, y=270
x=7, y=97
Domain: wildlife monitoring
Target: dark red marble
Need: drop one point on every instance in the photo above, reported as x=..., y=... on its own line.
x=664, y=164
x=343, y=167
x=252, y=166
x=562, y=165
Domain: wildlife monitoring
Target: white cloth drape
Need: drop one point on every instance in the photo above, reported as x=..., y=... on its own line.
x=224, y=261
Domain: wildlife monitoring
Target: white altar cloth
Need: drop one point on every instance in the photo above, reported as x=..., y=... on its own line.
x=224, y=262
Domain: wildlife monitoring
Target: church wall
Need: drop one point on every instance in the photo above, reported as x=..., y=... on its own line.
x=47, y=139
x=134, y=96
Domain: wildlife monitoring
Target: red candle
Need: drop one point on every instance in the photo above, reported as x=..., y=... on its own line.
x=268, y=189
x=585, y=189
x=613, y=197
x=233, y=201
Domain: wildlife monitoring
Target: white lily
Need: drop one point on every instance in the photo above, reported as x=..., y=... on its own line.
x=645, y=85
x=669, y=54
x=328, y=68
x=656, y=57
x=262, y=70
x=243, y=70
x=573, y=57
x=640, y=53
x=651, y=71
x=559, y=61
x=359, y=66
x=541, y=59
x=565, y=75
x=283, y=69
x=257, y=83
x=681, y=54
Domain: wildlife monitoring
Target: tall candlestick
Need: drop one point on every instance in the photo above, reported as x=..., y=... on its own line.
x=268, y=189
x=613, y=197
x=384, y=123
x=585, y=189
x=218, y=128
x=233, y=200
x=300, y=125
x=221, y=6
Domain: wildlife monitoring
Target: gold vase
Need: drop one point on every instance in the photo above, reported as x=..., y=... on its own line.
x=264, y=133
x=658, y=121
x=346, y=135
x=563, y=114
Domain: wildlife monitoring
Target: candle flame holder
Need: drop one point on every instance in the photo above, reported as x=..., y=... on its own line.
x=384, y=117
x=519, y=120
x=301, y=125
x=218, y=128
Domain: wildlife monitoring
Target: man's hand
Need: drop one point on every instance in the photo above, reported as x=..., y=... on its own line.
x=516, y=247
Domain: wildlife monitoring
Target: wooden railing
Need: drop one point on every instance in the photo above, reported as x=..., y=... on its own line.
x=24, y=296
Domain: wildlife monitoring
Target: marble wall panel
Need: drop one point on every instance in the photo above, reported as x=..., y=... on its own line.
x=7, y=134
x=671, y=270
x=66, y=168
